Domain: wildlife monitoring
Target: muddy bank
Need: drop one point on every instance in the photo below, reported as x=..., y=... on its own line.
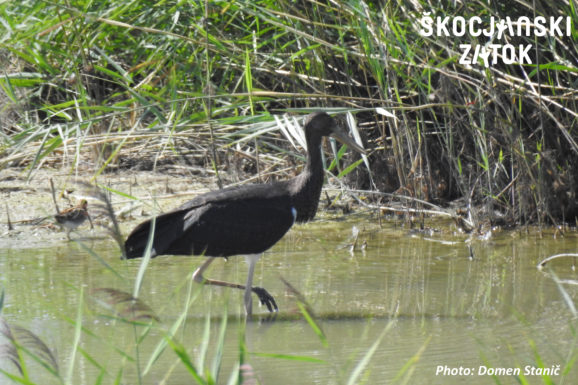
x=30, y=206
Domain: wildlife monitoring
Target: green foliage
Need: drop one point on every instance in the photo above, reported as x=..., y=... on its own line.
x=119, y=74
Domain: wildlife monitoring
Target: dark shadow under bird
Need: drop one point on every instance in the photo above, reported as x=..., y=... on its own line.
x=244, y=220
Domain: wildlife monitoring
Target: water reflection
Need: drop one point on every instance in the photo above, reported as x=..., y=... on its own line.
x=441, y=307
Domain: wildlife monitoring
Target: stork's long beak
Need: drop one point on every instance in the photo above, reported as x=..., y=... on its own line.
x=339, y=134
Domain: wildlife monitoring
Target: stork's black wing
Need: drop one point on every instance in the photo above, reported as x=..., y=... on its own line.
x=227, y=226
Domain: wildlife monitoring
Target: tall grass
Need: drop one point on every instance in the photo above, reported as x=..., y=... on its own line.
x=170, y=80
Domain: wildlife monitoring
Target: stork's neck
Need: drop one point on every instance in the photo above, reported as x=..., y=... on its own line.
x=305, y=189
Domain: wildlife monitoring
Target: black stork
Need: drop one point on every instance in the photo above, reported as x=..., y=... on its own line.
x=243, y=220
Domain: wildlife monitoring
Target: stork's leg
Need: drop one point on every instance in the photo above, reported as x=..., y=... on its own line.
x=265, y=298
x=198, y=274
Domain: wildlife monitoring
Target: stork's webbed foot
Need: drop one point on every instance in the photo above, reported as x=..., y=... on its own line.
x=265, y=298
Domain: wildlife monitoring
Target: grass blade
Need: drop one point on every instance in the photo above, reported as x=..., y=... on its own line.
x=220, y=347
x=181, y=352
x=145, y=260
x=360, y=367
x=291, y=357
x=314, y=326
x=76, y=341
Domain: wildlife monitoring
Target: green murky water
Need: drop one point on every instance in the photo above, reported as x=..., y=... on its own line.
x=441, y=308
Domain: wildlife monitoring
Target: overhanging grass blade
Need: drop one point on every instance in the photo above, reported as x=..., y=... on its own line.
x=16, y=379
x=291, y=357
x=145, y=260
x=100, y=260
x=316, y=328
x=180, y=351
x=88, y=357
x=161, y=346
x=76, y=341
x=204, y=342
x=220, y=347
x=409, y=367
x=360, y=367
